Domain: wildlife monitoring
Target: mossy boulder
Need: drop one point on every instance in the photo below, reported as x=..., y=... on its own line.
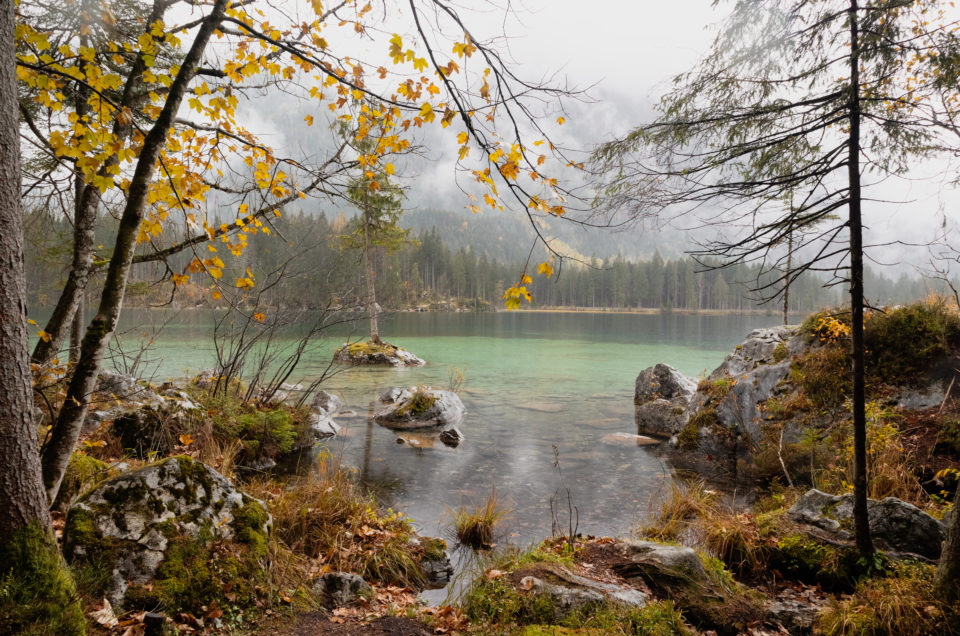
x=418, y=407
x=895, y=525
x=376, y=352
x=175, y=532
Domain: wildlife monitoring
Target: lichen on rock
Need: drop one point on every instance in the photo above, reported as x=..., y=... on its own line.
x=382, y=353
x=137, y=525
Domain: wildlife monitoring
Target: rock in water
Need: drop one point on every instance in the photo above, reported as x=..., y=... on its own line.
x=322, y=426
x=326, y=402
x=661, y=397
x=376, y=353
x=451, y=437
x=894, y=524
x=418, y=407
x=133, y=524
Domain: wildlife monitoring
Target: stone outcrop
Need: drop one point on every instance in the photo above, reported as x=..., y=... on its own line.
x=130, y=523
x=895, y=525
x=382, y=353
x=661, y=397
x=418, y=407
x=713, y=424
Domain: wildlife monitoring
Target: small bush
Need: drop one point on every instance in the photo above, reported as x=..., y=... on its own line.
x=904, y=342
x=824, y=376
x=900, y=604
x=475, y=526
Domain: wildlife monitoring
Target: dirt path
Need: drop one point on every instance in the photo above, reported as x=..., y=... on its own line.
x=317, y=623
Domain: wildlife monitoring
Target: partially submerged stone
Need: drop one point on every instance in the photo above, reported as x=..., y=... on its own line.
x=327, y=403
x=895, y=525
x=148, y=523
x=628, y=439
x=661, y=397
x=418, y=407
x=382, y=353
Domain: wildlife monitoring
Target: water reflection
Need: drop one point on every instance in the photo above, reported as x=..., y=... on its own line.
x=532, y=381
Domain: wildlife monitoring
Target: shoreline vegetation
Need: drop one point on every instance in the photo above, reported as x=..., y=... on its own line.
x=317, y=554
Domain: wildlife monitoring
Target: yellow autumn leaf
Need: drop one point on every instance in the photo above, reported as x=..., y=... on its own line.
x=545, y=268
x=259, y=316
x=186, y=439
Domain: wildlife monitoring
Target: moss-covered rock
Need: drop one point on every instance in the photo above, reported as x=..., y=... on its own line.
x=378, y=353
x=37, y=594
x=418, y=407
x=164, y=525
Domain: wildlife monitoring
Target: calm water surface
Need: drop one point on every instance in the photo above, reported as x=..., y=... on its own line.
x=532, y=381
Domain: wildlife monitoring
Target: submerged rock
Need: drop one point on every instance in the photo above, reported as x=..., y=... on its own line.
x=133, y=524
x=418, y=407
x=628, y=439
x=894, y=524
x=376, y=353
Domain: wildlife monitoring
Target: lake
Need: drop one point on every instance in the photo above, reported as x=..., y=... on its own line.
x=532, y=381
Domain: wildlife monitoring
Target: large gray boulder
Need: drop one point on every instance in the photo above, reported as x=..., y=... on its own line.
x=670, y=561
x=128, y=523
x=895, y=525
x=723, y=419
x=418, y=407
x=661, y=397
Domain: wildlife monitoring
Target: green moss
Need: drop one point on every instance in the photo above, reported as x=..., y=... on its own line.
x=37, y=593
x=275, y=431
x=199, y=572
x=419, y=403
x=800, y=558
x=497, y=603
x=434, y=549
x=781, y=352
x=250, y=523
x=83, y=472
x=689, y=436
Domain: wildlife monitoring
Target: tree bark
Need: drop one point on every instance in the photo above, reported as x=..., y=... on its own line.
x=66, y=430
x=371, y=282
x=22, y=501
x=946, y=584
x=860, y=517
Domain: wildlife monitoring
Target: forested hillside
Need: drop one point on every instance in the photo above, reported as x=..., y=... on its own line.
x=470, y=268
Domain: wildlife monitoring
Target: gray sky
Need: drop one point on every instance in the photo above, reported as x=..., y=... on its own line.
x=625, y=53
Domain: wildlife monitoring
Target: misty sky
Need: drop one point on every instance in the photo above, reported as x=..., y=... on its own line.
x=624, y=54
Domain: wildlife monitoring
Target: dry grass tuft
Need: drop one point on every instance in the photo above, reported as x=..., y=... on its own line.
x=328, y=519
x=476, y=526
x=683, y=504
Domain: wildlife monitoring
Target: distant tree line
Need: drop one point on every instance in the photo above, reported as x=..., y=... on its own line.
x=428, y=273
